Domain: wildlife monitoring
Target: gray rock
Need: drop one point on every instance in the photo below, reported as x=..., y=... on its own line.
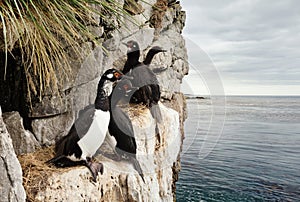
x=50, y=106
x=11, y=188
x=143, y=36
x=84, y=95
x=147, y=5
x=169, y=83
x=113, y=43
x=23, y=140
x=48, y=130
x=174, y=18
x=91, y=67
x=96, y=30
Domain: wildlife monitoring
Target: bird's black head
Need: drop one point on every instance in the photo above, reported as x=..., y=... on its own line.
x=125, y=86
x=123, y=91
x=112, y=75
x=156, y=49
x=153, y=51
x=132, y=46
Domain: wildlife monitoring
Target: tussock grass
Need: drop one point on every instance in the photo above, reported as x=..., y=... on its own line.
x=43, y=30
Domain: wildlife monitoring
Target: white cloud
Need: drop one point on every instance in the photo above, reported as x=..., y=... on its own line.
x=253, y=42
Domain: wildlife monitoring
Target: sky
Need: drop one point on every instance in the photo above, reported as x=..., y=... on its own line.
x=254, y=46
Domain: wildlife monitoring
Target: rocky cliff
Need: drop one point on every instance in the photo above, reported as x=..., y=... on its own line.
x=11, y=188
x=119, y=181
x=155, y=23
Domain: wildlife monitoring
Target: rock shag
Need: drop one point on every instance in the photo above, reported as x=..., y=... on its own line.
x=143, y=78
x=89, y=130
x=120, y=125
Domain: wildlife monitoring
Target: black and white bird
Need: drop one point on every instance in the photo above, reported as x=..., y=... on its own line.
x=89, y=130
x=143, y=78
x=120, y=125
x=133, y=55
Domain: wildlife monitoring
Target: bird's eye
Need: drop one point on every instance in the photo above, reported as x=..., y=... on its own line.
x=117, y=74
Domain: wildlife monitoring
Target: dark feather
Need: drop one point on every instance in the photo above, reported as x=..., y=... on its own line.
x=67, y=145
x=137, y=166
x=120, y=126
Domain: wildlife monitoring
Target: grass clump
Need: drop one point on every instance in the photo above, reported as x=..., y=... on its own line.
x=44, y=30
x=36, y=171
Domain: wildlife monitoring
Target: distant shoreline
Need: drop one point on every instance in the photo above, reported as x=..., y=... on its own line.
x=190, y=96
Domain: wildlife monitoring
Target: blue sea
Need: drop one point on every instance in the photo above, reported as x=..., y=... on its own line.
x=250, y=154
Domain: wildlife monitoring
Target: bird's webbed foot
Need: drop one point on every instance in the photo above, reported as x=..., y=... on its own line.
x=94, y=167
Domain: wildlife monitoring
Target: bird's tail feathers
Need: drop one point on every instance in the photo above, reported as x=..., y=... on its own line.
x=137, y=167
x=156, y=113
x=63, y=161
x=54, y=160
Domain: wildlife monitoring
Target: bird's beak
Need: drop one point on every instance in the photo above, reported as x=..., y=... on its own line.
x=124, y=43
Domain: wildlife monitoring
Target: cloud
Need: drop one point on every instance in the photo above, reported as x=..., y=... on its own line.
x=256, y=41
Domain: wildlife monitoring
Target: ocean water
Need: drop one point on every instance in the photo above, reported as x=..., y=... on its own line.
x=255, y=158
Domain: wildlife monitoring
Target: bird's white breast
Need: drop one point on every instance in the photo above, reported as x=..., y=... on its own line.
x=95, y=136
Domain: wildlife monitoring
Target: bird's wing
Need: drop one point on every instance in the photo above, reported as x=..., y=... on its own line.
x=65, y=146
x=143, y=76
x=84, y=121
x=122, y=121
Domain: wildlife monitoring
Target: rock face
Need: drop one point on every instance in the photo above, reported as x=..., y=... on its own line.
x=48, y=130
x=81, y=90
x=23, y=140
x=120, y=182
x=11, y=188
x=156, y=23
